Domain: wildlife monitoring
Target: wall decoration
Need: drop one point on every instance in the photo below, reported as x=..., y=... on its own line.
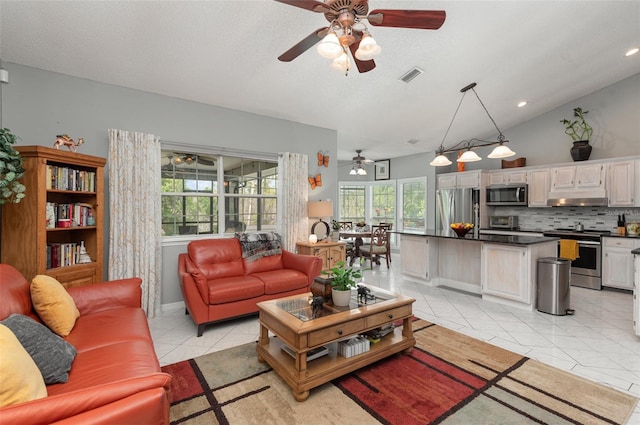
x=64, y=140
x=323, y=158
x=315, y=181
x=382, y=169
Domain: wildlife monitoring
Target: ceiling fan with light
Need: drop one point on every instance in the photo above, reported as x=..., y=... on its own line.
x=357, y=167
x=347, y=30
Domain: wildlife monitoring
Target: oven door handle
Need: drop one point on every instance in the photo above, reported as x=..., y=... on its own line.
x=588, y=243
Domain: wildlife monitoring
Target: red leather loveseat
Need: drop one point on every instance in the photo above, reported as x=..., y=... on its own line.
x=218, y=283
x=115, y=377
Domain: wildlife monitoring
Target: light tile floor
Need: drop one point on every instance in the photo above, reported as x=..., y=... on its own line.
x=597, y=342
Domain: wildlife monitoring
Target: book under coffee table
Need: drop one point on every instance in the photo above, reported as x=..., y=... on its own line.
x=294, y=324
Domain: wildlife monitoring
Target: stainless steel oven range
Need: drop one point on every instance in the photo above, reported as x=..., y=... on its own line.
x=586, y=271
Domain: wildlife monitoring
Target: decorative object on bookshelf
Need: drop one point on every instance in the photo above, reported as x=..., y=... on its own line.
x=83, y=257
x=64, y=140
x=11, y=171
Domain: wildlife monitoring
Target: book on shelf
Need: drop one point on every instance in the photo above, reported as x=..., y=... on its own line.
x=62, y=254
x=65, y=178
x=80, y=214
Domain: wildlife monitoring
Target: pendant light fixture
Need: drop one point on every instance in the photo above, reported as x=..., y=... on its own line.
x=500, y=151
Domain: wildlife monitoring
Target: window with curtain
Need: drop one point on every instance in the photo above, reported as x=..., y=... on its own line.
x=412, y=195
x=201, y=191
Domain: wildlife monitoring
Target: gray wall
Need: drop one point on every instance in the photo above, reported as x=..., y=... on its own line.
x=37, y=105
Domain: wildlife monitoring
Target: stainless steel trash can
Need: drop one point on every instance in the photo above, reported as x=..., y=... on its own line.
x=554, y=283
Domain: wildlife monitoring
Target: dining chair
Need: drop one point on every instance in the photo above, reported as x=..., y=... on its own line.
x=378, y=245
x=350, y=247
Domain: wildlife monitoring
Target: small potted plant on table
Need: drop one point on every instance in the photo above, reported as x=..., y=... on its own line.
x=343, y=280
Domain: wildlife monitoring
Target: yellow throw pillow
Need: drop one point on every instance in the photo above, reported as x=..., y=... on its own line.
x=21, y=379
x=53, y=304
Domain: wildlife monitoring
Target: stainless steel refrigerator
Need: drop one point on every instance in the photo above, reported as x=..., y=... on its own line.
x=457, y=206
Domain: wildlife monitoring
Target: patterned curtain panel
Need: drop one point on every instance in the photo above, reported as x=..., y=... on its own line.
x=134, y=203
x=293, y=193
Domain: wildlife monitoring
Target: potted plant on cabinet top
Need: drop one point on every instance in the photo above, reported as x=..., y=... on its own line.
x=335, y=225
x=11, y=190
x=343, y=280
x=580, y=132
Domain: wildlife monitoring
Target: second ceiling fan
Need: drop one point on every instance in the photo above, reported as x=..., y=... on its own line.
x=347, y=31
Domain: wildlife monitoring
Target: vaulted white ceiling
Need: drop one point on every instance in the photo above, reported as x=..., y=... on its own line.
x=225, y=53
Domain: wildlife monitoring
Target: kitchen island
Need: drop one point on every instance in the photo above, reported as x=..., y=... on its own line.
x=501, y=268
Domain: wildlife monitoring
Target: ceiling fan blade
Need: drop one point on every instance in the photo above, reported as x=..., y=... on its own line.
x=304, y=45
x=312, y=5
x=420, y=19
x=363, y=66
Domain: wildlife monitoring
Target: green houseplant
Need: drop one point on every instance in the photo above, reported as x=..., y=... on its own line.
x=580, y=132
x=343, y=280
x=11, y=190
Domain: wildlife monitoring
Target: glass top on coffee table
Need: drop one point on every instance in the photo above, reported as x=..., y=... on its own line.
x=303, y=309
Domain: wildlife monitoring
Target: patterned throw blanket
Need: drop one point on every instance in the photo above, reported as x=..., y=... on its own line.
x=258, y=245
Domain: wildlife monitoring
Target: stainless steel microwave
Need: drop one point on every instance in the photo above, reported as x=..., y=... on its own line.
x=507, y=194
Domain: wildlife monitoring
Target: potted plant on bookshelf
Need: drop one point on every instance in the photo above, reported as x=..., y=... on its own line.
x=11, y=190
x=580, y=132
x=343, y=280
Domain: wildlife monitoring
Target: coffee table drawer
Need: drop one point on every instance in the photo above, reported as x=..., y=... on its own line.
x=332, y=333
x=387, y=316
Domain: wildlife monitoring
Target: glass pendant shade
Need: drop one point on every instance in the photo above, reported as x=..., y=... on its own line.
x=440, y=161
x=501, y=151
x=353, y=171
x=362, y=171
x=330, y=47
x=368, y=48
x=341, y=63
x=469, y=156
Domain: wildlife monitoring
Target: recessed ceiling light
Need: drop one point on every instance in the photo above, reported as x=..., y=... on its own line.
x=632, y=51
x=521, y=104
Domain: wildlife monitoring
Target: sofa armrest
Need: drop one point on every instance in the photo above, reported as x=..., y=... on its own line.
x=307, y=264
x=60, y=407
x=107, y=295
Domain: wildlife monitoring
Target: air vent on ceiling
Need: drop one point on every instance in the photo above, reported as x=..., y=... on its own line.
x=411, y=74
x=412, y=141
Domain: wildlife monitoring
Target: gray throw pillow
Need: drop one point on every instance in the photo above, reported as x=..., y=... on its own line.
x=52, y=354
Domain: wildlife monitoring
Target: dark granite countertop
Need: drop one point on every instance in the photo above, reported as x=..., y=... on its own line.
x=497, y=239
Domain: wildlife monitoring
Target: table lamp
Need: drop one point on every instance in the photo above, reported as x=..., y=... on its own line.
x=320, y=209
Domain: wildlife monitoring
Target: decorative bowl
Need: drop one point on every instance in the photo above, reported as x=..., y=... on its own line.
x=461, y=229
x=633, y=229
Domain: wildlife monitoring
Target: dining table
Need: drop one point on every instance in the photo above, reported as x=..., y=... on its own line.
x=358, y=236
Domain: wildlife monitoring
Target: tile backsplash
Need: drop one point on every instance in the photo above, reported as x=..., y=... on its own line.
x=596, y=218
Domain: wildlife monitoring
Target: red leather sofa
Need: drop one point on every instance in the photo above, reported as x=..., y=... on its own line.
x=217, y=283
x=115, y=377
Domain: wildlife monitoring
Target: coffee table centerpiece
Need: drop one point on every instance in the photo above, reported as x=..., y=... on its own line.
x=343, y=280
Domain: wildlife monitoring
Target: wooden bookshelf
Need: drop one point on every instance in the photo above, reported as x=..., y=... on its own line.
x=25, y=232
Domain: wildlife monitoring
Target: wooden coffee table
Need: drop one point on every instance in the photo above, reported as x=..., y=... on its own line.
x=292, y=322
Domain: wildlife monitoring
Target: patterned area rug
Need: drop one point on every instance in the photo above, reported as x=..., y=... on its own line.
x=448, y=378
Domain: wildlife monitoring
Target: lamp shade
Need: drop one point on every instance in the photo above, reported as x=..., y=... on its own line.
x=361, y=171
x=440, y=161
x=469, y=156
x=319, y=209
x=330, y=47
x=501, y=151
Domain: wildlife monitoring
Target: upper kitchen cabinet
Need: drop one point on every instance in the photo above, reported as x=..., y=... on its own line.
x=465, y=179
x=538, y=187
x=578, y=181
x=507, y=177
x=623, y=182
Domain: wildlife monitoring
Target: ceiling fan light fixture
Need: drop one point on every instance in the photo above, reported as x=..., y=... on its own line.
x=368, y=48
x=353, y=171
x=469, y=156
x=341, y=63
x=361, y=171
x=501, y=151
x=330, y=47
x=440, y=161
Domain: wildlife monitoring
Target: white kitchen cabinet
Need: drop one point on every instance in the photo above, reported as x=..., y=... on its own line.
x=538, y=187
x=506, y=272
x=636, y=296
x=464, y=179
x=414, y=256
x=617, y=262
x=507, y=177
x=622, y=185
x=578, y=177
